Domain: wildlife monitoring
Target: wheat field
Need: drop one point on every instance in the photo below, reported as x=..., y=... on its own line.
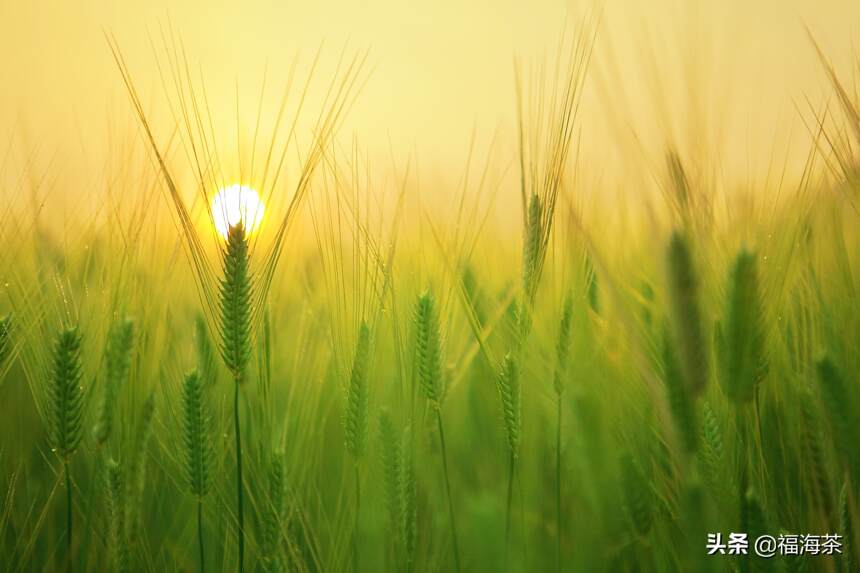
x=278, y=353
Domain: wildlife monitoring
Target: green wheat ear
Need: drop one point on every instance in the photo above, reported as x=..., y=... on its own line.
x=195, y=422
x=390, y=457
x=198, y=449
x=65, y=395
x=116, y=516
x=509, y=392
x=532, y=237
x=355, y=418
x=235, y=330
x=137, y=467
x=117, y=365
x=840, y=414
x=562, y=346
x=428, y=355
x=681, y=403
x=712, y=457
x=531, y=267
x=428, y=348
x=274, y=520
x=742, y=341
x=685, y=314
x=813, y=447
x=235, y=303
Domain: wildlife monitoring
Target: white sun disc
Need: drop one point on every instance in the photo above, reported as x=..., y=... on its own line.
x=237, y=204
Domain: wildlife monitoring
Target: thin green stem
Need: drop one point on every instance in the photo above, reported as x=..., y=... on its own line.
x=525, y=550
x=511, y=468
x=448, y=490
x=200, y=533
x=558, y=486
x=68, y=513
x=355, y=561
x=239, y=493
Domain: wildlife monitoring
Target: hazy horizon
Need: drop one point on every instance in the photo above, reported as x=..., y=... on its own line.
x=694, y=75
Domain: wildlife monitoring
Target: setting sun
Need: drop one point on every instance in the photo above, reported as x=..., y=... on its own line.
x=235, y=204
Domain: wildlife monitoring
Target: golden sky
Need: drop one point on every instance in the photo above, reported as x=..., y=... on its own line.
x=727, y=71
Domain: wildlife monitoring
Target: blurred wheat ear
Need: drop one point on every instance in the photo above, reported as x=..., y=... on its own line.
x=116, y=490
x=685, y=313
x=532, y=245
x=117, y=364
x=428, y=351
x=391, y=460
x=742, y=343
x=637, y=495
x=274, y=519
x=137, y=468
x=355, y=416
x=681, y=402
x=841, y=415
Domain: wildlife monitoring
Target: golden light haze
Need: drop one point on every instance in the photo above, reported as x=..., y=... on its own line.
x=729, y=78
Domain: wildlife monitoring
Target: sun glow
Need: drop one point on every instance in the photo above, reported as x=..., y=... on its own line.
x=237, y=204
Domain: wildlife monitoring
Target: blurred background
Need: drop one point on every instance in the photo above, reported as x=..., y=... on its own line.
x=732, y=79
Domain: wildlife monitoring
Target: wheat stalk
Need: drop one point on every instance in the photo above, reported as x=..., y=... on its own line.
x=235, y=329
x=137, y=467
x=428, y=356
x=355, y=419
x=117, y=364
x=66, y=407
x=198, y=448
